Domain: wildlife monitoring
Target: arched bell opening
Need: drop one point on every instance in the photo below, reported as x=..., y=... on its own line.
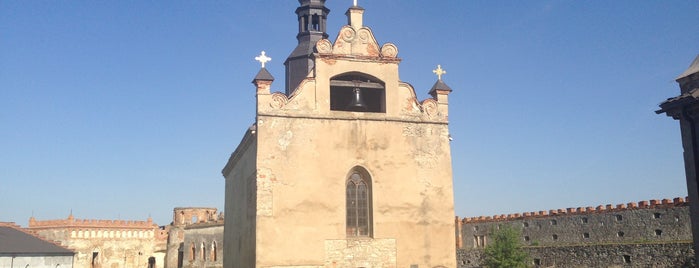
x=357, y=92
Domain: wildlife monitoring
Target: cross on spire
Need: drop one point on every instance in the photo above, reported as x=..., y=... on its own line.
x=262, y=58
x=355, y=3
x=439, y=72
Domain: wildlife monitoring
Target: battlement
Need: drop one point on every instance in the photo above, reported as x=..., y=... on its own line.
x=645, y=204
x=71, y=222
x=9, y=224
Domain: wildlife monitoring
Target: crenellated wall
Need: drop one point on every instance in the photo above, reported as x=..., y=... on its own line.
x=107, y=243
x=646, y=222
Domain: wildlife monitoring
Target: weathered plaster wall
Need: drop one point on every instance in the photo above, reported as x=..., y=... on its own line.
x=309, y=151
x=204, y=245
x=241, y=203
x=36, y=261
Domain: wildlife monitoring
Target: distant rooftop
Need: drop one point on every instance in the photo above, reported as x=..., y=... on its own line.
x=14, y=241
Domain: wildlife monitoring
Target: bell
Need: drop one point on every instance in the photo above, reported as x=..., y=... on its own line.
x=357, y=104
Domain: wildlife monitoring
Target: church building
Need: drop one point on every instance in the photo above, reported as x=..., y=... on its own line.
x=346, y=167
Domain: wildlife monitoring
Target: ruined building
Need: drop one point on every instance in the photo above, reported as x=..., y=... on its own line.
x=347, y=168
x=195, y=238
x=106, y=243
x=655, y=233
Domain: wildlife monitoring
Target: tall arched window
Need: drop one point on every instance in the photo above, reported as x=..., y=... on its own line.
x=213, y=251
x=203, y=251
x=358, y=198
x=192, y=252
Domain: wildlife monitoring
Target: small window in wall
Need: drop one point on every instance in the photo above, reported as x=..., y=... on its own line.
x=586, y=235
x=555, y=237
x=656, y=215
x=475, y=228
x=357, y=92
x=526, y=238
x=214, y=257
x=620, y=234
x=151, y=262
x=526, y=224
x=479, y=241
x=658, y=232
x=618, y=217
x=95, y=260
x=194, y=219
x=627, y=259
x=192, y=252
x=583, y=220
x=537, y=261
x=554, y=222
x=677, y=218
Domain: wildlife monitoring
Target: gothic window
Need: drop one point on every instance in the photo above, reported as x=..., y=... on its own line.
x=192, y=252
x=358, y=198
x=357, y=92
x=203, y=251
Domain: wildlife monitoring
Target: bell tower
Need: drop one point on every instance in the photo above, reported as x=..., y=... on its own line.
x=312, y=18
x=348, y=167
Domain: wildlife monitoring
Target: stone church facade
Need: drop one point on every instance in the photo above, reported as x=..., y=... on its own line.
x=347, y=168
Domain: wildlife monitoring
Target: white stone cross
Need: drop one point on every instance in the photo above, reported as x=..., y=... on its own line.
x=355, y=3
x=262, y=58
x=439, y=72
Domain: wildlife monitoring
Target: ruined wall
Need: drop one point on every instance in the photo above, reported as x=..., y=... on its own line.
x=107, y=243
x=181, y=218
x=604, y=234
x=203, y=243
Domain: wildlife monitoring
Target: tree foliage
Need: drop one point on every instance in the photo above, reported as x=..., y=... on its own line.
x=505, y=249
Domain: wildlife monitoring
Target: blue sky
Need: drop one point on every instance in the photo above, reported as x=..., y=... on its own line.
x=127, y=109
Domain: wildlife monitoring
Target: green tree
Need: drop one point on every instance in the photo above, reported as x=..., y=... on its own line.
x=505, y=249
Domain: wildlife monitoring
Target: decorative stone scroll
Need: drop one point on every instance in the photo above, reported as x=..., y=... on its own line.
x=324, y=46
x=430, y=107
x=278, y=100
x=389, y=50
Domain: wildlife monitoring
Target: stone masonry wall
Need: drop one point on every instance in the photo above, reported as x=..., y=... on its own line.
x=671, y=254
x=645, y=234
x=649, y=221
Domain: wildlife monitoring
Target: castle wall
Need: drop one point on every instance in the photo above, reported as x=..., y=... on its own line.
x=660, y=254
x=107, y=243
x=590, y=237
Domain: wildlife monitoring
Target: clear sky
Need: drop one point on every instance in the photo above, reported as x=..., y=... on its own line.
x=125, y=109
